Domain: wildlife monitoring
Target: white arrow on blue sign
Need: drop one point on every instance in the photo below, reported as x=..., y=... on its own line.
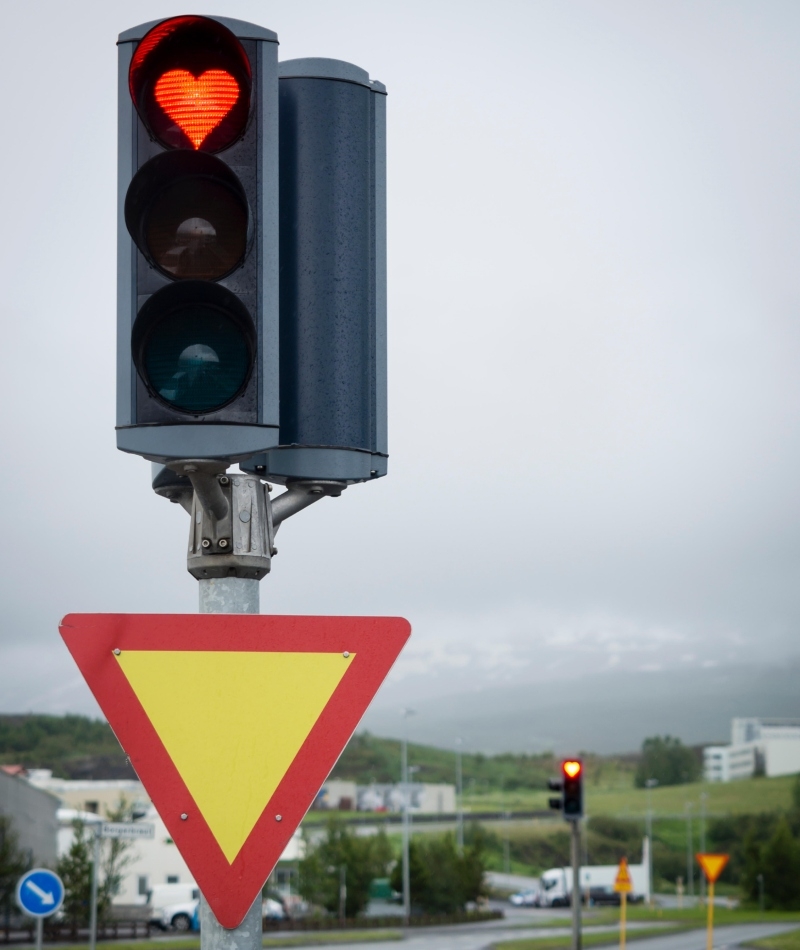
x=40, y=892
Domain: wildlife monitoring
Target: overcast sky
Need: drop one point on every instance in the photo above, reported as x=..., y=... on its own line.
x=594, y=343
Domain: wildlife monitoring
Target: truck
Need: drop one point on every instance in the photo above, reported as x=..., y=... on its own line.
x=597, y=883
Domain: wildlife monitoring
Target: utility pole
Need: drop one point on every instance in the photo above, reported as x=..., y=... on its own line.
x=650, y=784
x=343, y=893
x=703, y=797
x=406, y=819
x=689, y=850
x=95, y=879
x=459, y=801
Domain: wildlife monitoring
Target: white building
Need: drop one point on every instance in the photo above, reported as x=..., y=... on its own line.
x=153, y=861
x=424, y=798
x=725, y=763
x=768, y=745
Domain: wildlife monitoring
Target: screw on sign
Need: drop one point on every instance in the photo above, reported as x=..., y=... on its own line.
x=713, y=865
x=623, y=885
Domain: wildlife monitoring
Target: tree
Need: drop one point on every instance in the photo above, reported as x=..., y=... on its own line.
x=781, y=868
x=667, y=761
x=363, y=858
x=75, y=868
x=442, y=880
x=13, y=862
x=796, y=793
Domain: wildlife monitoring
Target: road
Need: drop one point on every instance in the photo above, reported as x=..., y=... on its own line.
x=482, y=936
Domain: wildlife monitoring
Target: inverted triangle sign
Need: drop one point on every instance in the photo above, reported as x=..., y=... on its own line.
x=232, y=723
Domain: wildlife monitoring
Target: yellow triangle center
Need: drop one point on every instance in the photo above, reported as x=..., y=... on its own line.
x=232, y=723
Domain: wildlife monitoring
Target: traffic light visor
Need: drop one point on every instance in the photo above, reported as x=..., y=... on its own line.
x=194, y=346
x=190, y=80
x=572, y=768
x=188, y=214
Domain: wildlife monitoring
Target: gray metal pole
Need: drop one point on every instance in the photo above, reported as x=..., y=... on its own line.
x=459, y=803
x=93, y=899
x=406, y=829
x=229, y=595
x=39, y=930
x=703, y=798
x=576, y=884
x=689, y=848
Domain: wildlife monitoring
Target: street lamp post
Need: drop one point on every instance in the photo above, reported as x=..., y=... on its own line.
x=689, y=849
x=406, y=824
x=459, y=802
x=650, y=784
x=703, y=797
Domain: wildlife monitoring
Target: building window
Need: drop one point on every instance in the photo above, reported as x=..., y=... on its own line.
x=142, y=889
x=93, y=807
x=172, y=879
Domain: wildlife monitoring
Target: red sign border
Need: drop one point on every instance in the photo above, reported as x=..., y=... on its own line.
x=231, y=888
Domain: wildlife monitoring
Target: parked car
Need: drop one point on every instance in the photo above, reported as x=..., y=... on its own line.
x=532, y=897
x=272, y=909
x=176, y=916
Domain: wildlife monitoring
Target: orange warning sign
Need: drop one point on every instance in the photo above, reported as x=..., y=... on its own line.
x=712, y=865
x=232, y=723
x=623, y=883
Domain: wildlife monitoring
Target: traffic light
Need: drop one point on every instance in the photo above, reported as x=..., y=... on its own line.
x=333, y=421
x=197, y=314
x=571, y=787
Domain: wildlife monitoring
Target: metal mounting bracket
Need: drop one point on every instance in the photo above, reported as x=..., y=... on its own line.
x=233, y=518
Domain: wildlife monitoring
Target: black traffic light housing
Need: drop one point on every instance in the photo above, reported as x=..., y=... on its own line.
x=333, y=415
x=571, y=787
x=198, y=281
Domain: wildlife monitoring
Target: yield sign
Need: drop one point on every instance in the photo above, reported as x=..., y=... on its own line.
x=232, y=723
x=712, y=865
x=623, y=883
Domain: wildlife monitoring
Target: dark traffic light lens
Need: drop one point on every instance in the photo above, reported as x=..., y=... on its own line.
x=188, y=214
x=190, y=81
x=194, y=346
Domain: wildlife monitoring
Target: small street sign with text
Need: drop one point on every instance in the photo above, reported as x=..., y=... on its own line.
x=127, y=830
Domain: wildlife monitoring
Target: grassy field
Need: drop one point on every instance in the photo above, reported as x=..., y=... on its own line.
x=677, y=920
x=787, y=941
x=620, y=799
x=610, y=938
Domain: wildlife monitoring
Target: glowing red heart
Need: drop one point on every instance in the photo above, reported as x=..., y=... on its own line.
x=197, y=104
x=572, y=768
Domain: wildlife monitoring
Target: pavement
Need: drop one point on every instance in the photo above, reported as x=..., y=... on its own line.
x=484, y=935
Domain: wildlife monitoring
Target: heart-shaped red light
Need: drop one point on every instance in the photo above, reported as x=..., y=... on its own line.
x=572, y=768
x=197, y=104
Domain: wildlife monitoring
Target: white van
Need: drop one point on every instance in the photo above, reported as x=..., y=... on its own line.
x=557, y=882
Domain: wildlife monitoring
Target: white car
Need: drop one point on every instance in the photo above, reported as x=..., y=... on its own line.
x=528, y=898
x=175, y=916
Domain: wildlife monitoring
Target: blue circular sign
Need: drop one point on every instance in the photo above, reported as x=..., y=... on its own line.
x=40, y=892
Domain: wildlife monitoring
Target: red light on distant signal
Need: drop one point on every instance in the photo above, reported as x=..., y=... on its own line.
x=572, y=768
x=197, y=105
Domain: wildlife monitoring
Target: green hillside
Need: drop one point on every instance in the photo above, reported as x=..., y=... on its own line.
x=72, y=746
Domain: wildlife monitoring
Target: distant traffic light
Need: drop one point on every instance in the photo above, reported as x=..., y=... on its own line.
x=570, y=785
x=197, y=360
x=572, y=778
